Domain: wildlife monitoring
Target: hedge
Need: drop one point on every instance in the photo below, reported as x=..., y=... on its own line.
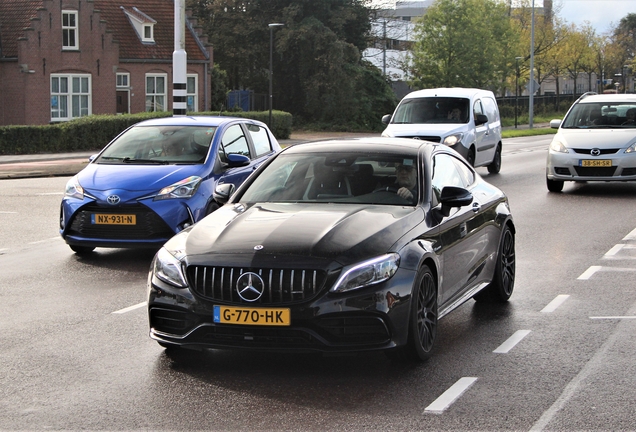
x=92, y=133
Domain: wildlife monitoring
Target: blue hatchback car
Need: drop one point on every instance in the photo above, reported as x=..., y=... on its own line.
x=156, y=178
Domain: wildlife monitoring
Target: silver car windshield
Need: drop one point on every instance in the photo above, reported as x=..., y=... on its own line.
x=160, y=145
x=601, y=115
x=339, y=178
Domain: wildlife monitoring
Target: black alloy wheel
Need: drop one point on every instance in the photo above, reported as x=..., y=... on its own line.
x=502, y=285
x=423, y=326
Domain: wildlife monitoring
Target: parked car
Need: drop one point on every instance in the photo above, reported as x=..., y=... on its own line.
x=596, y=141
x=157, y=177
x=336, y=246
x=465, y=119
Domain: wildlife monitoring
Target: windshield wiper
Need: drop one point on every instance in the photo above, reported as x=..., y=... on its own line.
x=148, y=161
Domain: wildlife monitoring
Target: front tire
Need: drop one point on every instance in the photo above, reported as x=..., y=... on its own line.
x=470, y=157
x=422, y=321
x=495, y=165
x=81, y=250
x=554, y=185
x=502, y=285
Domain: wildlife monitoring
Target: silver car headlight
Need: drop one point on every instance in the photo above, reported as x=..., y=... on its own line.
x=557, y=146
x=451, y=140
x=168, y=263
x=367, y=273
x=74, y=189
x=185, y=188
x=631, y=148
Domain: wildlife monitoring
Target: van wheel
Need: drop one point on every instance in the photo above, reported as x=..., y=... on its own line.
x=470, y=157
x=495, y=165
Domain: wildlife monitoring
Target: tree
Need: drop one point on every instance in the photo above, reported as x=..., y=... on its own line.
x=455, y=47
x=318, y=69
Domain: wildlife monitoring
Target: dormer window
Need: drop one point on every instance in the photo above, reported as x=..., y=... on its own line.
x=144, y=25
x=69, y=30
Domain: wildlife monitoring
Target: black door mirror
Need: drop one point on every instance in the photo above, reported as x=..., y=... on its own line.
x=452, y=196
x=480, y=119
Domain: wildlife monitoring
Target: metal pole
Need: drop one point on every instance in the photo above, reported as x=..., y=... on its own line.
x=531, y=84
x=517, y=88
x=271, y=54
x=179, y=62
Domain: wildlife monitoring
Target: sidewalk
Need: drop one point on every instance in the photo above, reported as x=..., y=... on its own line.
x=68, y=164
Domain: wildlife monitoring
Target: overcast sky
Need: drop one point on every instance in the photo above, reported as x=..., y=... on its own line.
x=600, y=13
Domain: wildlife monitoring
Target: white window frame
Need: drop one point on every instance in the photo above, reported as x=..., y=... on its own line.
x=72, y=31
x=153, y=94
x=121, y=77
x=144, y=37
x=192, y=94
x=71, y=96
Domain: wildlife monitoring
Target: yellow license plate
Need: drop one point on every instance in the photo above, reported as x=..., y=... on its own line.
x=596, y=163
x=252, y=316
x=113, y=219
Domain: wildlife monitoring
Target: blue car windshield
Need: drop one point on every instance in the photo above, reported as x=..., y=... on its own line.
x=160, y=145
x=357, y=178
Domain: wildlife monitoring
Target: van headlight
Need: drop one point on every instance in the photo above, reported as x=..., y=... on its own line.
x=367, y=273
x=451, y=140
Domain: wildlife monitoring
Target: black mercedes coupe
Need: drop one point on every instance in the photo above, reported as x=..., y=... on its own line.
x=336, y=246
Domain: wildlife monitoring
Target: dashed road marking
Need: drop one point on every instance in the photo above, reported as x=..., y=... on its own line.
x=616, y=249
x=447, y=398
x=589, y=272
x=554, y=304
x=613, y=317
x=130, y=308
x=631, y=235
x=512, y=341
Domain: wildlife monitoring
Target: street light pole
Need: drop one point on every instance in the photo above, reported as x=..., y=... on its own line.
x=271, y=54
x=517, y=88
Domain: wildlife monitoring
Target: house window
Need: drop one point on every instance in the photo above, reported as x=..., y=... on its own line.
x=156, y=92
x=191, y=93
x=148, y=33
x=70, y=96
x=69, y=30
x=122, y=80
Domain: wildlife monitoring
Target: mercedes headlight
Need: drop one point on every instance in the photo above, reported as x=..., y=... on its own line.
x=168, y=263
x=74, y=189
x=185, y=188
x=451, y=140
x=367, y=273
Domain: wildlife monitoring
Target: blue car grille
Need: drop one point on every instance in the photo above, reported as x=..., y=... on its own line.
x=149, y=225
x=280, y=285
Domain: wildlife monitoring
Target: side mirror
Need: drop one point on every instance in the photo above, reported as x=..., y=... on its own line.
x=386, y=119
x=452, y=196
x=237, y=160
x=554, y=124
x=223, y=192
x=480, y=119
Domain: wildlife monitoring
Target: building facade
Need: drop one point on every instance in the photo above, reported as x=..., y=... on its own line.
x=63, y=59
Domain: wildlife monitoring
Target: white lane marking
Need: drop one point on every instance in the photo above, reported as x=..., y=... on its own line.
x=2, y=250
x=8, y=212
x=512, y=341
x=447, y=398
x=613, y=317
x=558, y=301
x=631, y=235
x=613, y=251
x=50, y=193
x=130, y=308
x=589, y=272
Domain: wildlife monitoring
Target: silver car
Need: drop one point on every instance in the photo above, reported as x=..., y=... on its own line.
x=596, y=141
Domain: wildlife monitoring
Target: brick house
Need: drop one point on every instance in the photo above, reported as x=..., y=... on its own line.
x=61, y=59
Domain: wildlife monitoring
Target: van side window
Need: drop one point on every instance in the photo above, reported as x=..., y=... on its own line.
x=477, y=108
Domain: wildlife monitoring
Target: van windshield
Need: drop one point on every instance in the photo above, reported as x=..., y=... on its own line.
x=432, y=110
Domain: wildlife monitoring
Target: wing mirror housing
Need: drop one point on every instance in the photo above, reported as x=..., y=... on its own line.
x=237, y=160
x=454, y=197
x=386, y=119
x=554, y=124
x=480, y=119
x=223, y=192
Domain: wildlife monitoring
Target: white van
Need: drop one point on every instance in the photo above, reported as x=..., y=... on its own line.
x=465, y=119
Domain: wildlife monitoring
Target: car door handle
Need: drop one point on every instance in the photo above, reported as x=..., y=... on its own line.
x=476, y=207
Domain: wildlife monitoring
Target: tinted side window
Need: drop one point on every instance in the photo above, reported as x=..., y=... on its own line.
x=491, y=109
x=449, y=171
x=260, y=138
x=234, y=141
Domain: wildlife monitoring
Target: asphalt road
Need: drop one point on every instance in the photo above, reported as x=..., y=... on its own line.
x=76, y=353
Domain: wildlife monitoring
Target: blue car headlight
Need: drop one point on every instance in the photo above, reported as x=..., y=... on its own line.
x=367, y=273
x=185, y=188
x=74, y=189
x=168, y=263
